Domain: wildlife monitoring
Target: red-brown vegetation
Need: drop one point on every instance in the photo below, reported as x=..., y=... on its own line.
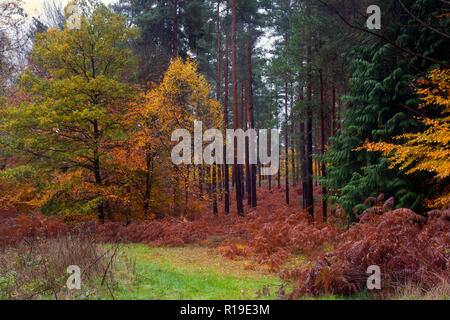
x=409, y=248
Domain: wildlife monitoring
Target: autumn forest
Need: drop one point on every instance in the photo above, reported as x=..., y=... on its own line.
x=348, y=99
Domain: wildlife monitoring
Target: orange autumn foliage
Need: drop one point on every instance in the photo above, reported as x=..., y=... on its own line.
x=428, y=150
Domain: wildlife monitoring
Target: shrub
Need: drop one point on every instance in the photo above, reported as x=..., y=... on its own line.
x=408, y=248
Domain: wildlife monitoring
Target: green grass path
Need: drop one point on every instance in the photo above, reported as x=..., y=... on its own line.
x=188, y=273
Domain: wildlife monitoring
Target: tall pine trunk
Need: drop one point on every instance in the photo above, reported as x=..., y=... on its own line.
x=286, y=137
x=309, y=203
x=333, y=110
x=322, y=150
x=251, y=118
x=240, y=207
x=269, y=141
x=247, y=151
x=226, y=173
x=219, y=57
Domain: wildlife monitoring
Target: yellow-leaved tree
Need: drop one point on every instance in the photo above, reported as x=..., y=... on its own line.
x=157, y=186
x=428, y=150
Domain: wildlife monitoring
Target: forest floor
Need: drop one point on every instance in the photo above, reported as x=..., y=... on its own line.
x=269, y=254
x=193, y=272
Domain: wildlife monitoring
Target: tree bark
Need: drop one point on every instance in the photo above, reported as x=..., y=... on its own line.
x=302, y=137
x=247, y=151
x=148, y=182
x=333, y=111
x=269, y=140
x=323, y=141
x=286, y=137
x=309, y=167
x=97, y=174
x=219, y=57
x=339, y=115
x=240, y=207
x=251, y=118
x=225, y=120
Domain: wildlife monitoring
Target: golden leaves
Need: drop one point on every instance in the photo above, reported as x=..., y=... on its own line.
x=428, y=150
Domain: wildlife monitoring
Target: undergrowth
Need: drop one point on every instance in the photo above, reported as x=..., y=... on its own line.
x=410, y=249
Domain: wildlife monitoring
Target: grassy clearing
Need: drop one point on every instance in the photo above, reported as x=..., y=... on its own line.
x=140, y=272
x=188, y=273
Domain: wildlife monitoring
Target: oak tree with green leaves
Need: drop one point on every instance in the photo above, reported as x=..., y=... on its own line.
x=78, y=89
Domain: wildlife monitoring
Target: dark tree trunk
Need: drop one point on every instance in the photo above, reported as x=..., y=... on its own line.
x=294, y=173
x=214, y=191
x=302, y=138
x=309, y=130
x=148, y=182
x=241, y=125
x=97, y=174
x=200, y=180
x=269, y=142
x=251, y=118
x=333, y=111
x=286, y=137
x=279, y=171
x=225, y=120
x=240, y=207
x=247, y=151
x=219, y=77
x=322, y=151
x=302, y=147
x=339, y=108
x=259, y=166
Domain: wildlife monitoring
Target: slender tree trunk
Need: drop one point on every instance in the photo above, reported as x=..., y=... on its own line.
x=269, y=141
x=302, y=135
x=220, y=181
x=240, y=207
x=286, y=137
x=259, y=165
x=279, y=170
x=251, y=117
x=186, y=191
x=219, y=84
x=303, y=161
x=97, y=174
x=219, y=77
x=247, y=151
x=294, y=173
x=291, y=137
x=316, y=151
x=225, y=119
x=322, y=151
x=148, y=182
x=242, y=126
x=333, y=110
x=208, y=180
x=200, y=180
x=309, y=131
x=339, y=108
x=175, y=30
x=214, y=191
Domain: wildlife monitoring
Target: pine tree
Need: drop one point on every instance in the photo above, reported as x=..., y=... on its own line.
x=379, y=109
